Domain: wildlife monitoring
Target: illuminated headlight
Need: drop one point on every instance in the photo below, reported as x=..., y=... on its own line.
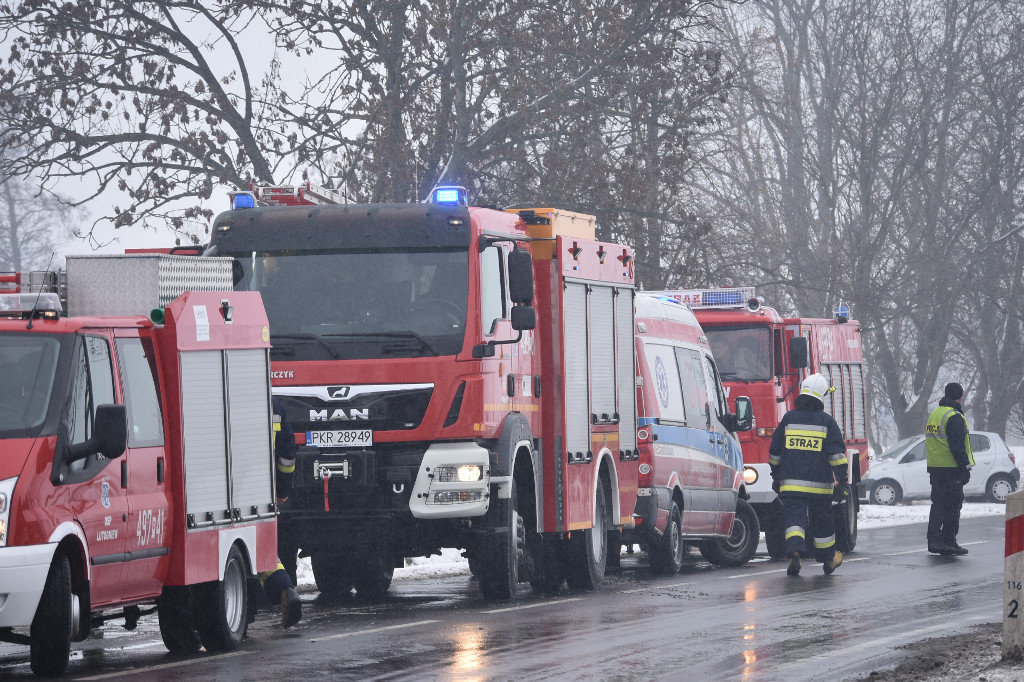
x=6, y=492
x=467, y=473
x=749, y=475
x=765, y=430
x=457, y=496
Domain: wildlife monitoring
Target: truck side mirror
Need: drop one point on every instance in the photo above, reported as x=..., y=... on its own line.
x=520, y=277
x=797, y=352
x=110, y=434
x=744, y=414
x=524, y=317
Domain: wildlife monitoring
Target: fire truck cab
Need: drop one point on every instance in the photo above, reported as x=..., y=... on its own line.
x=456, y=376
x=765, y=356
x=135, y=455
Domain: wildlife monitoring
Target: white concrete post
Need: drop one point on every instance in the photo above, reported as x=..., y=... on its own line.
x=1013, y=578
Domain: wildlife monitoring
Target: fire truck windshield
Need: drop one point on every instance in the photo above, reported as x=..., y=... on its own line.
x=742, y=353
x=28, y=365
x=361, y=304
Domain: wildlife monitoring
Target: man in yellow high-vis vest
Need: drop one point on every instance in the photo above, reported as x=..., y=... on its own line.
x=950, y=459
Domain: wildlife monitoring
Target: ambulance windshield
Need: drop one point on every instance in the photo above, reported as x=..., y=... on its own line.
x=743, y=353
x=28, y=364
x=384, y=303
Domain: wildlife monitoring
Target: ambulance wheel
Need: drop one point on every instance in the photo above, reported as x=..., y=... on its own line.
x=54, y=624
x=174, y=611
x=331, y=573
x=588, y=551
x=738, y=548
x=371, y=576
x=774, y=533
x=498, y=563
x=221, y=623
x=667, y=552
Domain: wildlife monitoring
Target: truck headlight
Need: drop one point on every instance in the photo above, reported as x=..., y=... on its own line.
x=467, y=473
x=750, y=475
x=6, y=492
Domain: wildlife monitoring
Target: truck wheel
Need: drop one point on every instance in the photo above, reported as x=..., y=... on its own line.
x=549, y=569
x=174, y=611
x=54, y=623
x=332, y=574
x=221, y=622
x=588, y=552
x=774, y=534
x=667, y=552
x=372, y=575
x=999, y=488
x=846, y=522
x=738, y=548
x=498, y=563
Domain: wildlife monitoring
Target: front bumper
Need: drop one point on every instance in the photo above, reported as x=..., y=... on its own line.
x=23, y=572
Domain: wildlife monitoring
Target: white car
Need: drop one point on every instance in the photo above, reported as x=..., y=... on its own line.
x=901, y=472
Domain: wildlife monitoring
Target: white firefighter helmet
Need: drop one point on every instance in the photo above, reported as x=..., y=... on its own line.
x=816, y=386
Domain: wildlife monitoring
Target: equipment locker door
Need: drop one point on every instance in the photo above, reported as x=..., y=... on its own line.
x=149, y=503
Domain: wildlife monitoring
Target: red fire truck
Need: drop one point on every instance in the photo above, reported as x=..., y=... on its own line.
x=456, y=376
x=765, y=356
x=136, y=460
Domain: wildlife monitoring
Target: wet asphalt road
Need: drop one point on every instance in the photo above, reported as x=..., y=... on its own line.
x=706, y=623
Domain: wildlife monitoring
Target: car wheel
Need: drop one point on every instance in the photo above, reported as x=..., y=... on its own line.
x=738, y=548
x=53, y=626
x=999, y=488
x=886, y=492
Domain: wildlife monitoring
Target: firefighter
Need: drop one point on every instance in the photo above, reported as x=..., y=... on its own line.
x=807, y=456
x=277, y=584
x=950, y=459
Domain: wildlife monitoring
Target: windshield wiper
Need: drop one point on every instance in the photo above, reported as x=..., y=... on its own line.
x=311, y=337
x=407, y=334
x=731, y=376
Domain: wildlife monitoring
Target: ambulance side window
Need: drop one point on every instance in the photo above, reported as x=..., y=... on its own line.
x=142, y=400
x=716, y=395
x=93, y=385
x=695, y=390
x=492, y=288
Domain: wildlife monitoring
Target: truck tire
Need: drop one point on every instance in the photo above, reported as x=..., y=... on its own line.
x=549, y=568
x=588, y=551
x=371, y=576
x=846, y=521
x=54, y=623
x=174, y=611
x=667, y=552
x=738, y=548
x=498, y=562
x=221, y=621
x=774, y=533
x=332, y=574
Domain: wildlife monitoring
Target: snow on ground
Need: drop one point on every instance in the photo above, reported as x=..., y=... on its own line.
x=451, y=562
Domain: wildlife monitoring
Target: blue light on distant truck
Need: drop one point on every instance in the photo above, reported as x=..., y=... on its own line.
x=242, y=200
x=449, y=196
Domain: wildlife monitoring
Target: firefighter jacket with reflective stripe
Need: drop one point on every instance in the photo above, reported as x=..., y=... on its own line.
x=947, y=439
x=807, y=453
x=284, y=450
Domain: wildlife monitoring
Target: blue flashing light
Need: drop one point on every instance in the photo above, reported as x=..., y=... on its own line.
x=722, y=297
x=842, y=313
x=449, y=196
x=242, y=200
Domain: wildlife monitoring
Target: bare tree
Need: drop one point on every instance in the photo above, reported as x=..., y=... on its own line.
x=33, y=225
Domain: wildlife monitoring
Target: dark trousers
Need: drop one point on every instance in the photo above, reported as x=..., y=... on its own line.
x=795, y=510
x=947, y=500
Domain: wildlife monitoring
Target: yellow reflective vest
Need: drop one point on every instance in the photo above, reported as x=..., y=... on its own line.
x=937, y=444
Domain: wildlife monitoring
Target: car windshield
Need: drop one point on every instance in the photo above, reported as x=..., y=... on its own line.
x=28, y=365
x=742, y=353
x=361, y=304
x=898, y=450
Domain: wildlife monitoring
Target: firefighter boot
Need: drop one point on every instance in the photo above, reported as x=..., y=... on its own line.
x=940, y=547
x=291, y=607
x=832, y=564
x=957, y=549
x=794, y=564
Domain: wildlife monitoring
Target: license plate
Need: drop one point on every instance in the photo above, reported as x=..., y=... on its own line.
x=350, y=438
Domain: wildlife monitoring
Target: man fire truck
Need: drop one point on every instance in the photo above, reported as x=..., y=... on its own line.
x=135, y=454
x=456, y=376
x=765, y=356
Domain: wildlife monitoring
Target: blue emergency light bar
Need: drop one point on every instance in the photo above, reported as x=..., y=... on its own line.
x=449, y=196
x=736, y=297
x=242, y=200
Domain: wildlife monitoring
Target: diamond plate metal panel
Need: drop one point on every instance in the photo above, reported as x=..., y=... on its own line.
x=136, y=283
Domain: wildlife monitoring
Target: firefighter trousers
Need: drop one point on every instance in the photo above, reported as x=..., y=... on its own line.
x=795, y=512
